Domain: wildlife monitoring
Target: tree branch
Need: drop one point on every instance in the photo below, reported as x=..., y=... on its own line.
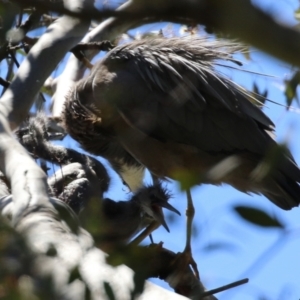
x=60, y=36
x=238, y=18
x=58, y=252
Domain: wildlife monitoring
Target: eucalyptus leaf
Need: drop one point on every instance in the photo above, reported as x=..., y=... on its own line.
x=258, y=217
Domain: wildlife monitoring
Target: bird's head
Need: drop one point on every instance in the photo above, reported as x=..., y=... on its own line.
x=151, y=200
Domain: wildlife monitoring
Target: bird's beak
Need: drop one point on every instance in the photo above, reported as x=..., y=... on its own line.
x=158, y=214
x=168, y=206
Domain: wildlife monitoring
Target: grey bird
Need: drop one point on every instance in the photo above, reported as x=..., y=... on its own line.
x=122, y=220
x=82, y=178
x=161, y=104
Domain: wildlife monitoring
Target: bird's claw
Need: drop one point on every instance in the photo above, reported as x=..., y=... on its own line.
x=185, y=259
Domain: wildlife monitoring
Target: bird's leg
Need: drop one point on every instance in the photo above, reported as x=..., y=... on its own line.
x=186, y=258
x=148, y=230
x=190, y=213
x=155, y=180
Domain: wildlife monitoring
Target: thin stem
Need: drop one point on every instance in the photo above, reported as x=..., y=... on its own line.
x=225, y=287
x=190, y=213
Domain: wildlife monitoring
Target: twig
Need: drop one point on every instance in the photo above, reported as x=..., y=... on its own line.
x=79, y=49
x=240, y=19
x=55, y=42
x=32, y=20
x=225, y=287
x=13, y=57
x=4, y=82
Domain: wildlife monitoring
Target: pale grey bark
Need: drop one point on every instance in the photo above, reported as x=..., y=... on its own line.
x=44, y=230
x=28, y=181
x=42, y=59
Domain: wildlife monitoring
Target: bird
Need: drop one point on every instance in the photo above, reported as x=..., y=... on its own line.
x=82, y=178
x=81, y=125
x=122, y=220
x=161, y=104
x=78, y=173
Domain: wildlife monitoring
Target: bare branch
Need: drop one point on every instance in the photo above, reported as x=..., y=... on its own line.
x=58, y=39
x=239, y=18
x=45, y=233
x=28, y=181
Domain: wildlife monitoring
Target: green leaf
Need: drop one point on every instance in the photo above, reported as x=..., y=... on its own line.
x=75, y=274
x=139, y=282
x=51, y=251
x=109, y=291
x=297, y=14
x=291, y=88
x=258, y=217
x=88, y=293
x=216, y=246
x=187, y=179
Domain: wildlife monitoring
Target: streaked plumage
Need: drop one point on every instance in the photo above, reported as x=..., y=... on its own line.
x=82, y=178
x=160, y=103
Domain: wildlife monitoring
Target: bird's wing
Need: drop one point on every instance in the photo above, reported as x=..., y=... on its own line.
x=170, y=90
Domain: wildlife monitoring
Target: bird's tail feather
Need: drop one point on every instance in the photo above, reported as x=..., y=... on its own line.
x=283, y=190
